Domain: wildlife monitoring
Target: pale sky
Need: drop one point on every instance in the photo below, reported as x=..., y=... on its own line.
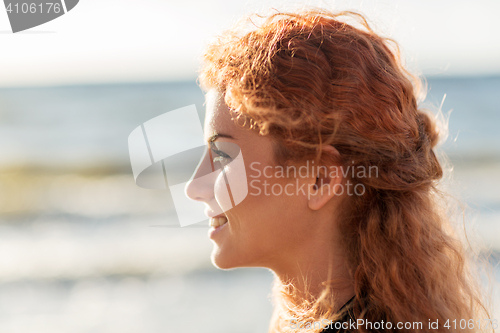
x=105, y=41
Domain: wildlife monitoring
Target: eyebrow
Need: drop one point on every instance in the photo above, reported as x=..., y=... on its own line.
x=219, y=135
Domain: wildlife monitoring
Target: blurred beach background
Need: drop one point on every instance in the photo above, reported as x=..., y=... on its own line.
x=83, y=249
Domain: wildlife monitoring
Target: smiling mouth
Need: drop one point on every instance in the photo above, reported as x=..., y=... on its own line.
x=218, y=221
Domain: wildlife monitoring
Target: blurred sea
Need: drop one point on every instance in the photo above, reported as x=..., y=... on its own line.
x=83, y=249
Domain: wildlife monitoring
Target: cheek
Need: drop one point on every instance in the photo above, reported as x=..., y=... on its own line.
x=221, y=193
x=286, y=206
x=269, y=209
x=269, y=226
x=231, y=187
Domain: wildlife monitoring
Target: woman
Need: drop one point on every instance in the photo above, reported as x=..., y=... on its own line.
x=342, y=203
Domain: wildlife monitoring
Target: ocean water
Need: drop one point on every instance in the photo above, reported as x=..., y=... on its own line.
x=83, y=249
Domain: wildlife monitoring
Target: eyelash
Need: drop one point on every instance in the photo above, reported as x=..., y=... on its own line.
x=222, y=156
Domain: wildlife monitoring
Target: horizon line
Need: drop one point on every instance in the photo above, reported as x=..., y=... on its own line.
x=193, y=80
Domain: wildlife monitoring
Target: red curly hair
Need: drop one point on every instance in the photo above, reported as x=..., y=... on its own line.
x=309, y=79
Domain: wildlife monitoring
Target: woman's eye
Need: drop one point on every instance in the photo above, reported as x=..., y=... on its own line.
x=219, y=155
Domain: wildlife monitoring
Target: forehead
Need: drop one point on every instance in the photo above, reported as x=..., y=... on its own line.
x=217, y=116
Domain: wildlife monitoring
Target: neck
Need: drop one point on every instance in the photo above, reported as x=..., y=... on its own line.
x=308, y=283
x=317, y=279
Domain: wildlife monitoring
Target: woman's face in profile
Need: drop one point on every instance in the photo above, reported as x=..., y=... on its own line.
x=268, y=228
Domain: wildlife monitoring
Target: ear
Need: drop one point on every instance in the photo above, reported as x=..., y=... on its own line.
x=327, y=181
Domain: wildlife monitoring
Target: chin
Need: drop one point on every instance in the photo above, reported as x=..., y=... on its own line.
x=220, y=259
x=224, y=260
x=221, y=262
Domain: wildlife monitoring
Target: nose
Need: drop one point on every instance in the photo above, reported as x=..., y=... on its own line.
x=201, y=185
